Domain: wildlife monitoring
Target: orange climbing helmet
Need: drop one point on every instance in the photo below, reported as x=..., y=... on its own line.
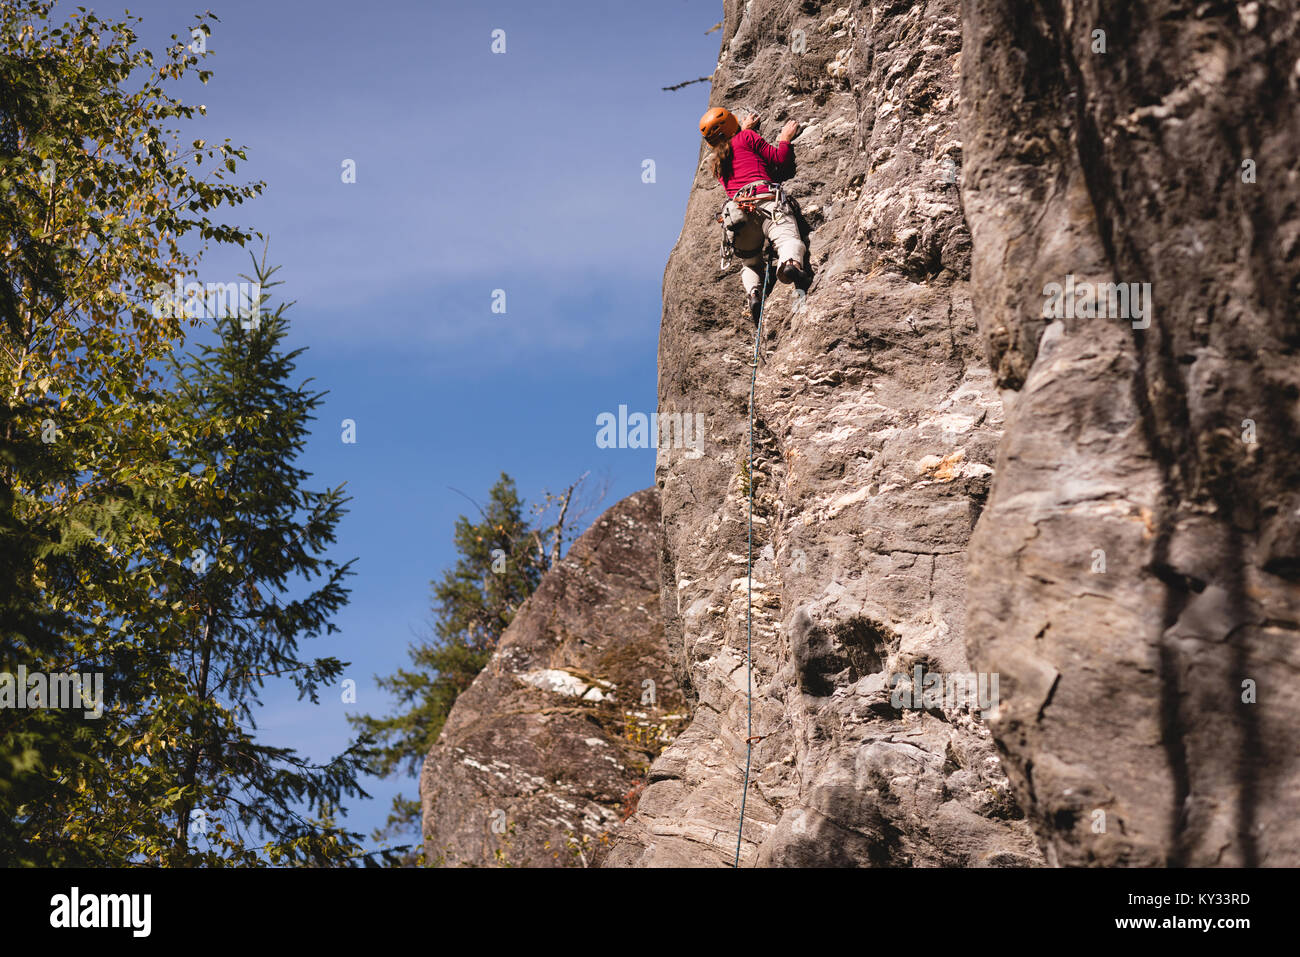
x=719, y=124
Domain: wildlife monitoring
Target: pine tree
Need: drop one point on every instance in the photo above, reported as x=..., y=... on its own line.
x=242, y=610
x=474, y=602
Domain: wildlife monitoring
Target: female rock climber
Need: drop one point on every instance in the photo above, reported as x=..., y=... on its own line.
x=748, y=167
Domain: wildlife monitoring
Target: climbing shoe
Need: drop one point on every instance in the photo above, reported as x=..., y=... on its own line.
x=755, y=302
x=792, y=271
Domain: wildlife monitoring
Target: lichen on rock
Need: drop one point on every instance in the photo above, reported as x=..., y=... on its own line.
x=543, y=755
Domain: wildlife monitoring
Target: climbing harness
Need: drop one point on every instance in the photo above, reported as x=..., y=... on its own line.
x=748, y=197
x=751, y=739
x=745, y=204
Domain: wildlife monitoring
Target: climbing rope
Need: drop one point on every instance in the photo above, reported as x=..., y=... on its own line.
x=750, y=738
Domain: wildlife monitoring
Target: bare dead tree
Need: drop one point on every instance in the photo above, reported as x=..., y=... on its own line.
x=574, y=505
x=678, y=86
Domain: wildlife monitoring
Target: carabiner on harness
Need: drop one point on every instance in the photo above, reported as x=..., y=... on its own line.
x=750, y=195
x=725, y=247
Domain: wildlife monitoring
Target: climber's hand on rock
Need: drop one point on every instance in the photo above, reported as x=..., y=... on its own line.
x=790, y=131
x=750, y=121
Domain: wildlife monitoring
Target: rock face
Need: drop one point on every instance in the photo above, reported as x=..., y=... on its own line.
x=542, y=755
x=876, y=424
x=1135, y=577
x=1056, y=449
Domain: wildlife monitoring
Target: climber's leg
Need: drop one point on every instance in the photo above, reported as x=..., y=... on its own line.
x=750, y=275
x=748, y=243
x=790, y=248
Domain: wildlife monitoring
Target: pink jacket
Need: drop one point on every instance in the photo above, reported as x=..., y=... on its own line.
x=756, y=159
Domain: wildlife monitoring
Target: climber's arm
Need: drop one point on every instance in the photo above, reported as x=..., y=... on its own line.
x=779, y=158
x=775, y=156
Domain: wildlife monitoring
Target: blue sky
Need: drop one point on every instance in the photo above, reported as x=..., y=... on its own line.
x=475, y=171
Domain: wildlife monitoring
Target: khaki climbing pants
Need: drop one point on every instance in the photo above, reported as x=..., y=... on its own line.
x=773, y=224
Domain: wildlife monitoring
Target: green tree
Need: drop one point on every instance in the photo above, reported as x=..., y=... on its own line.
x=474, y=602
x=240, y=618
x=100, y=203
